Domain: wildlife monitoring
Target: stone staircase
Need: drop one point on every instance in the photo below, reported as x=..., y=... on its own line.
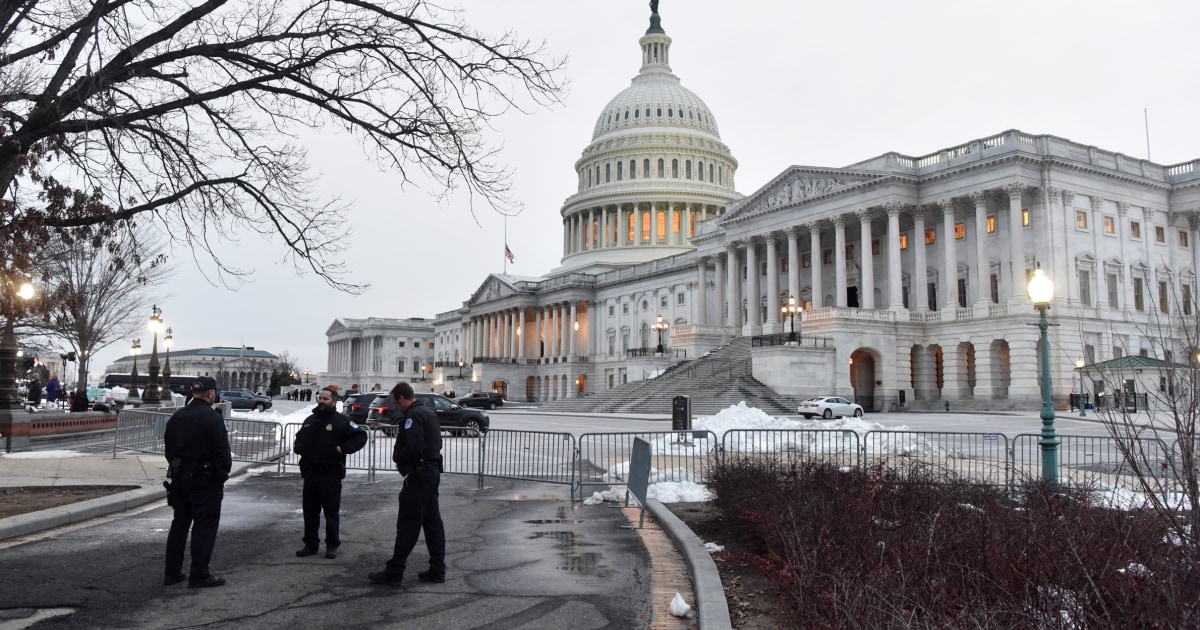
x=718, y=380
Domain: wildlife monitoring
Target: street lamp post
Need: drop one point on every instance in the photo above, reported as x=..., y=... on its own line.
x=151, y=395
x=306, y=373
x=1082, y=389
x=460, y=367
x=135, y=350
x=1041, y=291
x=168, y=341
x=790, y=311
x=9, y=398
x=422, y=372
x=660, y=325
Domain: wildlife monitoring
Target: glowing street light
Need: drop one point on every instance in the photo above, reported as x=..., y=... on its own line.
x=660, y=326
x=790, y=311
x=1041, y=291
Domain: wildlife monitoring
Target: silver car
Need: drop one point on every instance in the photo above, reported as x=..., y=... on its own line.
x=830, y=406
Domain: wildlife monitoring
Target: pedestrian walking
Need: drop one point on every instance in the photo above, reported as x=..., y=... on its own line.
x=53, y=386
x=323, y=442
x=418, y=457
x=199, y=460
x=33, y=395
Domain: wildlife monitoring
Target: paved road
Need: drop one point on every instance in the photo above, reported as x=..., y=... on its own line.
x=520, y=555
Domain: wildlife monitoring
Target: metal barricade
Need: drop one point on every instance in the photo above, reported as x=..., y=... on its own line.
x=789, y=447
x=974, y=457
x=675, y=456
x=140, y=431
x=1093, y=461
x=545, y=457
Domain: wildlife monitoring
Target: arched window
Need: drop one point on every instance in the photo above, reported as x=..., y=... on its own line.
x=675, y=169
x=690, y=117
x=627, y=114
x=648, y=112
x=700, y=171
x=660, y=168
x=636, y=112
x=710, y=171
x=646, y=168
x=721, y=175
x=632, y=169
x=620, y=171
x=660, y=112
x=670, y=113
x=597, y=174
x=607, y=173
x=687, y=169
x=589, y=178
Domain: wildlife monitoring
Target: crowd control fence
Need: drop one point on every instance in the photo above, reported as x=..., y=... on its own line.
x=596, y=461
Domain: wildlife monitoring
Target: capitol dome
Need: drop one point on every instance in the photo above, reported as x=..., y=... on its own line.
x=655, y=168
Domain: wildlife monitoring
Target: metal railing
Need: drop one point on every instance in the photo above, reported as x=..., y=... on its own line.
x=977, y=457
x=792, y=447
x=674, y=456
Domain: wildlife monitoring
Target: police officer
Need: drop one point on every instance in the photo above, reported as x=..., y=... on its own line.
x=418, y=456
x=199, y=459
x=323, y=443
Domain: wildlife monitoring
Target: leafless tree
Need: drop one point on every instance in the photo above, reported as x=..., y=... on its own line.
x=117, y=110
x=99, y=295
x=1151, y=408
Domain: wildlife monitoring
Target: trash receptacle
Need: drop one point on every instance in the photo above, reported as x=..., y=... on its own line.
x=681, y=413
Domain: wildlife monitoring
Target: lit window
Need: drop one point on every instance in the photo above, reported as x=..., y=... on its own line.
x=762, y=267
x=805, y=261
x=929, y=237
x=783, y=265
x=1080, y=219
x=1163, y=296
x=991, y=224
x=903, y=241
x=1110, y=225
x=1138, y=300
x=1024, y=217
x=960, y=231
x=1135, y=230
x=1160, y=234
x=1183, y=239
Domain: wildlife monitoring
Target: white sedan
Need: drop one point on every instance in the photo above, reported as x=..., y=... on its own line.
x=830, y=406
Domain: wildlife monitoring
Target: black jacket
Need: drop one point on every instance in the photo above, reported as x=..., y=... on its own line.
x=196, y=435
x=322, y=433
x=420, y=439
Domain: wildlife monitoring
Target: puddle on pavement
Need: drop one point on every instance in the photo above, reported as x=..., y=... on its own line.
x=569, y=544
x=21, y=618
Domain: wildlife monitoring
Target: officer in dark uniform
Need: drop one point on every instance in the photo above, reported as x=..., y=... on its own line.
x=199, y=459
x=323, y=443
x=418, y=456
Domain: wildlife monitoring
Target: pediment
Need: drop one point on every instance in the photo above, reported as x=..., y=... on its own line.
x=492, y=289
x=336, y=327
x=798, y=185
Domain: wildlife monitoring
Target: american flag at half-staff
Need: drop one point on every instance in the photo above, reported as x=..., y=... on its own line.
x=508, y=253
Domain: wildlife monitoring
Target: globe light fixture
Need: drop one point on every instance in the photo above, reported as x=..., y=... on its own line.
x=660, y=325
x=151, y=395
x=790, y=311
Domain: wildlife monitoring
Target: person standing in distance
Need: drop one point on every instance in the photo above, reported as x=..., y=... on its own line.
x=197, y=449
x=418, y=457
x=323, y=443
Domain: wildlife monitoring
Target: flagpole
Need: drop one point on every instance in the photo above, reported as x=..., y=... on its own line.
x=505, y=245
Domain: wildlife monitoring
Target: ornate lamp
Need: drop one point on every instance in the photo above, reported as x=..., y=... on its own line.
x=151, y=395
x=1041, y=292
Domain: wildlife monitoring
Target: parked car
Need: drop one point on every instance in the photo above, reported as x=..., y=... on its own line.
x=490, y=400
x=830, y=406
x=357, y=407
x=453, y=418
x=245, y=399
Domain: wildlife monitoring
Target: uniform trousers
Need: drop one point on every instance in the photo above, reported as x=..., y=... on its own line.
x=419, y=511
x=322, y=492
x=197, y=498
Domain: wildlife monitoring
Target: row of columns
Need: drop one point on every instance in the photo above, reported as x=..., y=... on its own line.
x=499, y=334
x=729, y=269
x=609, y=225
x=345, y=355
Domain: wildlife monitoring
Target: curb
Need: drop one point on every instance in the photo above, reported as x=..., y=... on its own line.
x=33, y=522
x=712, y=608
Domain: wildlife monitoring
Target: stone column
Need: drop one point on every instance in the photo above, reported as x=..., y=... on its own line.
x=571, y=328
x=982, y=277
x=689, y=219
x=566, y=239
x=733, y=315
x=753, y=324
x=700, y=298
x=1016, y=244
x=719, y=293
x=987, y=366
x=637, y=224
x=839, y=260
x=1123, y=234
x=920, y=274
x=793, y=244
x=589, y=234
x=539, y=334
x=815, y=265
x=567, y=332
x=895, y=271
x=521, y=335
x=773, y=314
x=671, y=213
x=866, y=292
x=950, y=258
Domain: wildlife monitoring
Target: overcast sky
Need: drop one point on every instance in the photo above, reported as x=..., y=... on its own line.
x=811, y=83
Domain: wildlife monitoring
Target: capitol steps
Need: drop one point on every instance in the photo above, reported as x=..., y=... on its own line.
x=714, y=382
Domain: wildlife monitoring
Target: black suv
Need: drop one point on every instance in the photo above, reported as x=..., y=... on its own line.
x=245, y=399
x=356, y=406
x=454, y=419
x=491, y=400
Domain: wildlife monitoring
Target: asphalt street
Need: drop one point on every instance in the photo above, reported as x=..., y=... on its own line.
x=520, y=555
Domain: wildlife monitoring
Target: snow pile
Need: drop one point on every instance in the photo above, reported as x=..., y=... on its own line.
x=43, y=455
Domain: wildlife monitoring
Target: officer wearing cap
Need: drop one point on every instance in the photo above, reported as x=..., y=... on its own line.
x=323, y=442
x=199, y=460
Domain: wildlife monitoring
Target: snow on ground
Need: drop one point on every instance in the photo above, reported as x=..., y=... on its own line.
x=43, y=455
x=273, y=415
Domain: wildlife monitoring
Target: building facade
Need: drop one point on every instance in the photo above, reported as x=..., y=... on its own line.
x=232, y=367
x=911, y=270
